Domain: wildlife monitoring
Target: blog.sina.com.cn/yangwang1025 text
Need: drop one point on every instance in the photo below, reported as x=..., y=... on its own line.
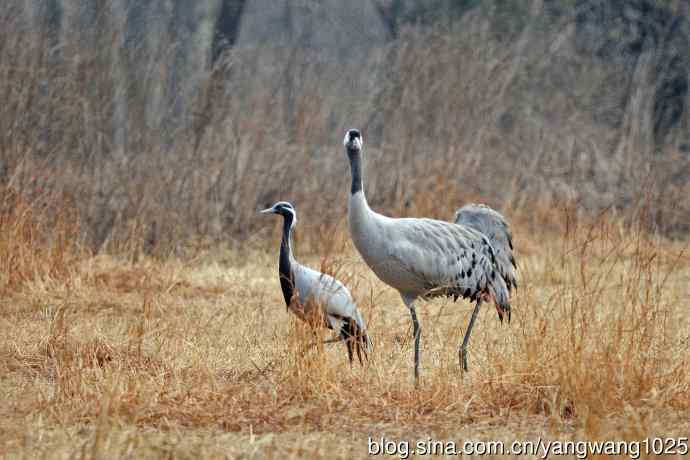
x=540, y=448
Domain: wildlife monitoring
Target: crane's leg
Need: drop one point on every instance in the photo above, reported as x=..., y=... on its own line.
x=334, y=340
x=417, y=332
x=466, y=339
x=327, y=341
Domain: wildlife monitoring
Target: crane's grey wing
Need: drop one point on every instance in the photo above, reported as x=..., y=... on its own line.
x=447, y=259
x=494, y=226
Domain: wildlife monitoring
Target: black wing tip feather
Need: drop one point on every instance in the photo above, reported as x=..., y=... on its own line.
x=504, y=310
x=356, y=340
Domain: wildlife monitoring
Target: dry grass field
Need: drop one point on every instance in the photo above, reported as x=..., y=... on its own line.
x=185, y=357
x=140, y=308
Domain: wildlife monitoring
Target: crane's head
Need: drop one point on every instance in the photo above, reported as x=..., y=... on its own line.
x=353, y=140
x=285, y=209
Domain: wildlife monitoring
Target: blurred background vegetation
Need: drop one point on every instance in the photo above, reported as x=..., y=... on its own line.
x=167, y=122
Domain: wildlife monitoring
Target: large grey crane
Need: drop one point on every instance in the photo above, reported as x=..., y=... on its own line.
x=305, y=290
x=425, y=258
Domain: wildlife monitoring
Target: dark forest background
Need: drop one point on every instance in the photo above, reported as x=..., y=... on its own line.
x=168, y=121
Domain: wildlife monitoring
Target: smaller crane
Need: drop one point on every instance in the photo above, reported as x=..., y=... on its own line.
x=306, y=290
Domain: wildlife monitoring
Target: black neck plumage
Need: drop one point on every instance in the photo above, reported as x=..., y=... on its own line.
x=356, y=170
x=287, y=281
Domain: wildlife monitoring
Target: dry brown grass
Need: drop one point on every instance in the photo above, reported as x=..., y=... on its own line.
x=140, y=312
x=103, y=357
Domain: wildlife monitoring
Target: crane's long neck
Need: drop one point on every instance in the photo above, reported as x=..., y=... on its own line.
x=357, y=172
x=286, y=261
x=355, y=157
x=360, y=215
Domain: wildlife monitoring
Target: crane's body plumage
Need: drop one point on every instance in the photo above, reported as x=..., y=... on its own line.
x=316, y=289
x=424, y=258
x=315, y=296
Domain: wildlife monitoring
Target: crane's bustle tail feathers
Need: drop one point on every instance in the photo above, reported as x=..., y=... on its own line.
x=495, y=228
x=356, y=339
x=493, y=225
